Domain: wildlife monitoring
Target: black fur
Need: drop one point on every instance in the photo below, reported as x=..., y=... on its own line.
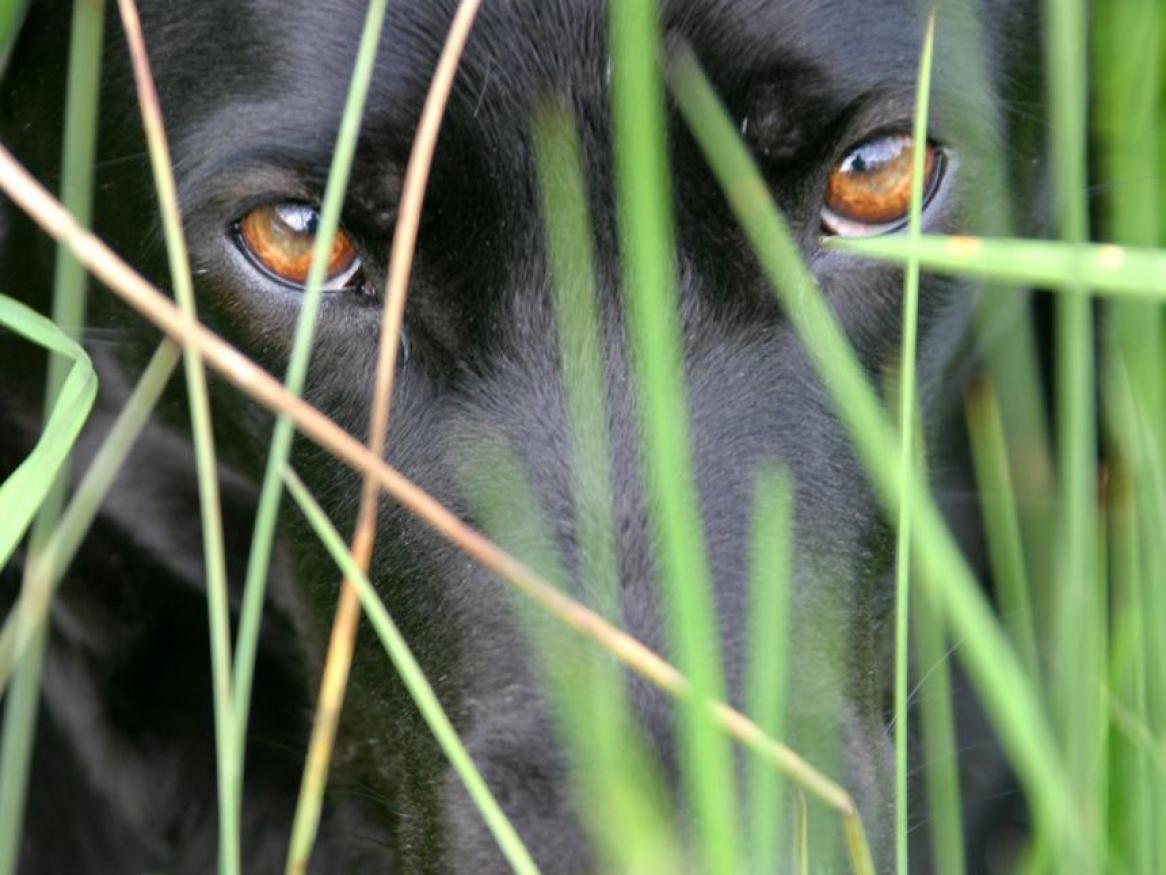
x=252, y=90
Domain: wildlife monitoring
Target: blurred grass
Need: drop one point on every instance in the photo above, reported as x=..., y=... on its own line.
x=767, y=684
x=1007, y=694
x=1079, y=701
x=68, y=312
x=651, y=301
x=907, y=442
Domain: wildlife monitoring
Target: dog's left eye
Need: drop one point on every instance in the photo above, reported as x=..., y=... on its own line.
x=869, y=190
x=279, y=239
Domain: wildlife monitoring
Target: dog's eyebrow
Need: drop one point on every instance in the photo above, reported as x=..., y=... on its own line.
x=256, y=145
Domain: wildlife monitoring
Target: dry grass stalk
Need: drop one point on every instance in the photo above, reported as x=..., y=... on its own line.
x=264, y=389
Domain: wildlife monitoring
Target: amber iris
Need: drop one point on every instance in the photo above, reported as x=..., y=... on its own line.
x=280, y=237
x=871, y=186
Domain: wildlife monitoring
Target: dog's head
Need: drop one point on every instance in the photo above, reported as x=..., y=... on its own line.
x=252, y=94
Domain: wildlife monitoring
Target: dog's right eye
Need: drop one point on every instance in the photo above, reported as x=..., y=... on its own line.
x=278, y=238
x=869, y=190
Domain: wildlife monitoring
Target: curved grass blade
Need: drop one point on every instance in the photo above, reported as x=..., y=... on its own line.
x=69, y=287
x=47, y=568
x=25, y=489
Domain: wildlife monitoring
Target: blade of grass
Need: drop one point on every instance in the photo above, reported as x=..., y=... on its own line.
x=1007, y=340
x=1131, y=803
x=500, y=495
x=622, y=797
x=1009, y=696
x=414, y=679
x=267, y=511
x=907, y=415
x=938, y=735
x=260, y=386
x=1138, y=496
x=229, y=759
x=1001, y=522
x=22, y=493
x=651, y=303
x=12, y=14
x=343, y=636
x=1127, y=61
x=1080, y=606
x=69, y=287
x=46, y=571
x=771, y=551
x=1077, y=269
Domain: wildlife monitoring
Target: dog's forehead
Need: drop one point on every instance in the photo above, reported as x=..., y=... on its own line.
x=518, y=47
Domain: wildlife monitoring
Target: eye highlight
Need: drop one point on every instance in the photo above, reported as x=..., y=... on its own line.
x=278, y=238
x=869, y=190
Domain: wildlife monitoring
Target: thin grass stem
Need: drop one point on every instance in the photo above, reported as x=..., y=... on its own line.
x=267, y=511
x=229, y=759
x=69, y=286
x=907, y=415
x=414, y=679
x=342, y=639
x=769, y=600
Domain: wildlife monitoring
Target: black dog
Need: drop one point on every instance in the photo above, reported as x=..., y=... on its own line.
x=252, y=90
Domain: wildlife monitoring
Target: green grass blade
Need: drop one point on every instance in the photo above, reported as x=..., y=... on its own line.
x=25, y=489
x=652, y=308
x=414, y=679
x=1002, y=523
x=1080, y=604
x=907, y=416
x=621, y=800
x=263, y=536
x=69, y=285
x=228, y=760
x=11, y=17
x=31, y=611
x=1074, y=268
x=1128, y=58
x=940, y=759
x=771, y=557
x=1008, y=695
x=938, y=735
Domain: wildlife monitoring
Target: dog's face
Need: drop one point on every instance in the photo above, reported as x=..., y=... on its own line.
x=252, y=94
